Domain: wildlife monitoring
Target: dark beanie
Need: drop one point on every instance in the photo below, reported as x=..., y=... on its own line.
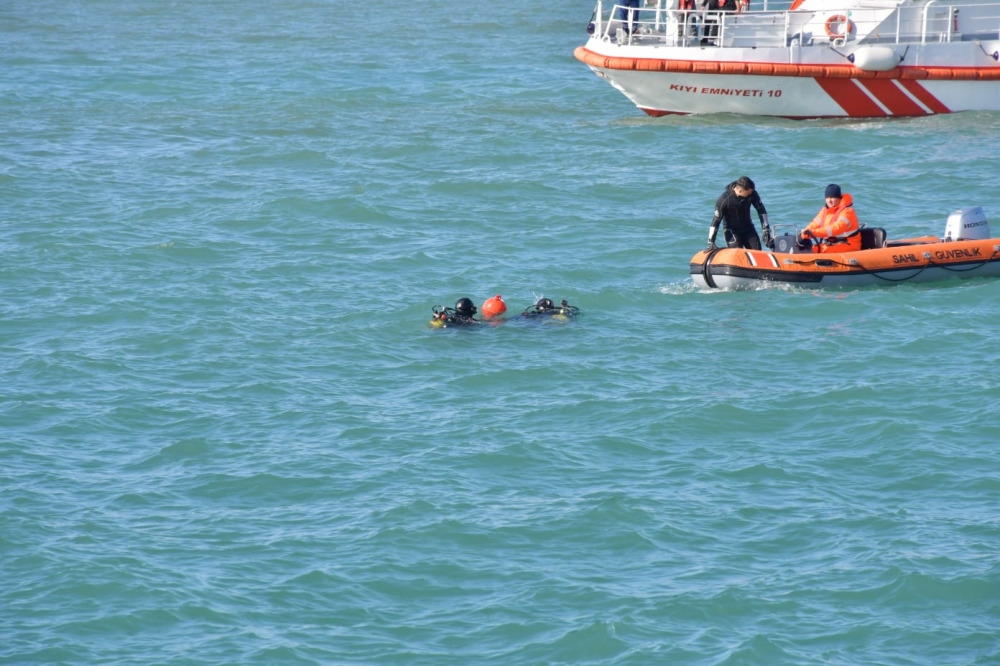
x=832, y=191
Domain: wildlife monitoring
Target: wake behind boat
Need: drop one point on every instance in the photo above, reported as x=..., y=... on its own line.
x=817, y=59
x=966, y=251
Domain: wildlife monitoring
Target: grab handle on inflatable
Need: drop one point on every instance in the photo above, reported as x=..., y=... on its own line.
x=705, y=273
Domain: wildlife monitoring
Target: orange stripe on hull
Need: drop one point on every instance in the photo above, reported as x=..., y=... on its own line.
x=585, y=55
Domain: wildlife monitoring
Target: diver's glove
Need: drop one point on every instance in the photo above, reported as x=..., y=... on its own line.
x=711, y=247
x=765, y=232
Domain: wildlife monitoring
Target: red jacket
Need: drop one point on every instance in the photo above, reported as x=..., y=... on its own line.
x=837, y=223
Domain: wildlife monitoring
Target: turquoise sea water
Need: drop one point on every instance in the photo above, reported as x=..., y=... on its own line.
x=229, y=435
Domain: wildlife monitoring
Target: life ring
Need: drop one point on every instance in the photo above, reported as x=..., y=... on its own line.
x=835, y=22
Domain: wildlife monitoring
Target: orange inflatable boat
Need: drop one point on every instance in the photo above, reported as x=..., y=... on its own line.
x=966, y=251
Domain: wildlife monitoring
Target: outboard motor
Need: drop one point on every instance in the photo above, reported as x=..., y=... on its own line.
x=967, y=223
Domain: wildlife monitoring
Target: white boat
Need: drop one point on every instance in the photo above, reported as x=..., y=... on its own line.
x=812, y=59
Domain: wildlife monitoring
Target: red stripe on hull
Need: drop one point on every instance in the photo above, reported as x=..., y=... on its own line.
x=894, y=99
x=851, y=98
x=925, y=97
x=656, y=113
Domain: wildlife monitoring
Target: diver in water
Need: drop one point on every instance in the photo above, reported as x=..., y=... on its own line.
x=545, y=308
x=463, y=314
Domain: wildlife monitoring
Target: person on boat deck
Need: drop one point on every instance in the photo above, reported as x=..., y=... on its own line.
x=732, y=208
x=835, y=225
x=712, y=23
x=688, y=18
x=628, y=12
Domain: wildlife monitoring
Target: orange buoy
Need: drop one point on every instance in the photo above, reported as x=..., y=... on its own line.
x=493, y=307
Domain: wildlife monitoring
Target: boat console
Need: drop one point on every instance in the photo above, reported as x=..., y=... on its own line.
x=791, y=244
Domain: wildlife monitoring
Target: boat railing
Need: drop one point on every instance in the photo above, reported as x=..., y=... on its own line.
x=657, y=23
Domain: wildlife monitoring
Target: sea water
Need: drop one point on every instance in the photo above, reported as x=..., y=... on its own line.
x=230, y=436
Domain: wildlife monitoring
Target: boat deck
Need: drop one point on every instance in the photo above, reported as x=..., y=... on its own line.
x=775, y=26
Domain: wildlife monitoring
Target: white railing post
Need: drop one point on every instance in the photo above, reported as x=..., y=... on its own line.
x=923, y=27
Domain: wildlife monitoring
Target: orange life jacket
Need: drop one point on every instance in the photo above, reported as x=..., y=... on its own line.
x=839, y=225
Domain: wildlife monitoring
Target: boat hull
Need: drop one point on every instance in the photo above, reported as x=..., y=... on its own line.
x=912, y=260
x=792, y=91
x=914, y=59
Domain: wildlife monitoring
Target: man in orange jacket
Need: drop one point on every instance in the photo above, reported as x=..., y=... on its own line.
x=836, y=224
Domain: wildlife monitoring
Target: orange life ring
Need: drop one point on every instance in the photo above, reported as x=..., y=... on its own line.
x=836, y=20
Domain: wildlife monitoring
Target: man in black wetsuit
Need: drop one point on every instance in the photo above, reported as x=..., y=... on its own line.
x=733, y=209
